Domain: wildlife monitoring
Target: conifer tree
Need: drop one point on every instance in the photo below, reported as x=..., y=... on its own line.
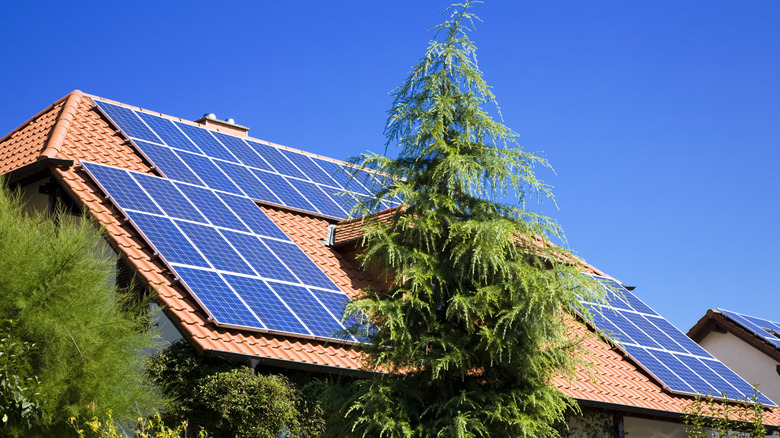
x=56, y=284
x=471, y=327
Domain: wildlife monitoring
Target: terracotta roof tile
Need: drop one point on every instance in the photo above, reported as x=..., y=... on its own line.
x=610, y=378
x=23, y=146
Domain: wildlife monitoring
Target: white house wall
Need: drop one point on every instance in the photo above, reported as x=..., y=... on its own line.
x=753, y=365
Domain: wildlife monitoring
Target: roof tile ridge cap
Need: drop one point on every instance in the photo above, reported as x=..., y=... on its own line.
x=62, y=126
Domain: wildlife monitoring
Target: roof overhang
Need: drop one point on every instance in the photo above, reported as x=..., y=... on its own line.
x=714, y=321
x=31, y=171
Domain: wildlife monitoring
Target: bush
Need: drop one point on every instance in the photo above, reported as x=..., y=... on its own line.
x=230, y=401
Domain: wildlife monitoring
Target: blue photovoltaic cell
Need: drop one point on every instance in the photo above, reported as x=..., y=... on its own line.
x=300, y=264
x=252, y=216
x=300, y=300
x=210, y=173
x=242, y=151
x=122, y=187
x=259, y=256
x=266, y=305
x=278, y=161
x=225, y=250
x=188, y=153
x=212, y=207
x=245, y=179
x=307, y=166
x=740, y=384
x=173, y=203
x=335, y=302
x=168, y=162
x=206, y=142
x=662, y=349
x=324, y=203
x=167, y=239
x=670, y=379
x=286, y=193
x=216, y=249
x=763, y=328
x=128, y=121
x=169, y=133
x=342, y=175
x=217, y=297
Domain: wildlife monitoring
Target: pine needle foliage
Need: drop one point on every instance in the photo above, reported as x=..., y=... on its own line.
x=56, y=284
x=472, y=327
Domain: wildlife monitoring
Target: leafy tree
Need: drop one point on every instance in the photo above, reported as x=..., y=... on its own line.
x=472, y=327
x=230, y=401
x=18, y=399
x=56, y=283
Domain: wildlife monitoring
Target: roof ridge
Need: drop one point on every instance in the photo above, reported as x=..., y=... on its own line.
x=62, y=125
x=196, y=124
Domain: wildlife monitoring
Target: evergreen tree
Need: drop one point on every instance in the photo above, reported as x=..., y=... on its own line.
x=56, y=284
x=472, y=326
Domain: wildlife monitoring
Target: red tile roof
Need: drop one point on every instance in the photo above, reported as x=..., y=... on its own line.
x=71, y=129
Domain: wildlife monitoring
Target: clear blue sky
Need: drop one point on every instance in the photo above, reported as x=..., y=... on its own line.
x=661, y=118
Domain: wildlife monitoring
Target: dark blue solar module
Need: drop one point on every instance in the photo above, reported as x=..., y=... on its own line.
x=123, y=188
x=169, y=133
x=315, y=194
x=175, y=168
x=663, y=350
x=244, y=178
x=278, y=161
x=127, y=120
x=300, y=264
x=206, y=142
x=240, y=149
x=241, y=268
x=190, y=153
x=763, y=328
x=309, y=168
x=211, y=175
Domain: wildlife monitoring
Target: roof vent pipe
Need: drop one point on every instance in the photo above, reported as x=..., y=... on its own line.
x=210, y=116
x=330, y=238
x=231, y=121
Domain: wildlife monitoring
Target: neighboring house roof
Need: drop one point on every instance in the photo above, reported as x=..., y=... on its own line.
x=762, y=334
x=70, y=129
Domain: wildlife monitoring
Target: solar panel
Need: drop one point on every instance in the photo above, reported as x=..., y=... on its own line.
x=225, y=162
x=240, y=267
x=662, y=349
x=763, y=328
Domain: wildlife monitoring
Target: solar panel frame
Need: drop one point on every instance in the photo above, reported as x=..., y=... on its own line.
x=757, y=326
x=202, y=253
x=192, y=145
x=661, y=349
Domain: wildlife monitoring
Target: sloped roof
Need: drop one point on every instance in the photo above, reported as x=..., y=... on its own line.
x=716, y=320
x=71, y=129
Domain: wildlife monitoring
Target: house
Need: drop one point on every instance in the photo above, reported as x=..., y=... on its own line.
x=747, y=344
x=87, y=153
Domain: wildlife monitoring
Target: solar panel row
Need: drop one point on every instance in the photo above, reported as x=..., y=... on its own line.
x=763, y=328
x=245, y=273
x=663, y=350
x=244, y=167
x=235, y=261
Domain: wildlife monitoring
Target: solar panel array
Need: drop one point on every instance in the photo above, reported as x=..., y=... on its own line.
x=246, y=273
x=663, y=350
x=763, y=328
x=240, y=267
x=245, y=167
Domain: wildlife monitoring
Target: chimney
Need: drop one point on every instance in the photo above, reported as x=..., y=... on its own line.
x=229, y=126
